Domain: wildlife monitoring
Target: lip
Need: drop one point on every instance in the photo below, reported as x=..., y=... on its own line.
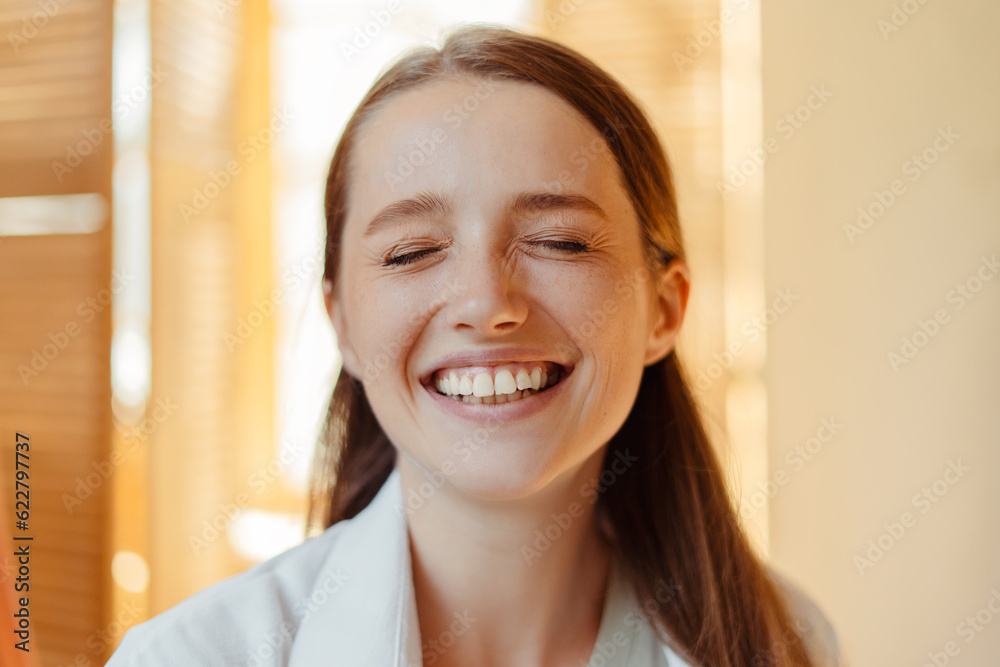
x=501, y=412
x=495, y=357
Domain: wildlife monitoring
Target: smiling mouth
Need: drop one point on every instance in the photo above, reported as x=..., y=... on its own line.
x=505, y=384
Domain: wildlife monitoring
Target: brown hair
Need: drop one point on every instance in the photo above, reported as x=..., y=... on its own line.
x=672, y=519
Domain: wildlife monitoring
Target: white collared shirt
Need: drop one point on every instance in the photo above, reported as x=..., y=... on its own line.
x=343, y=598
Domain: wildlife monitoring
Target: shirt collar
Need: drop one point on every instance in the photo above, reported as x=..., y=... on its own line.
x=371, y=618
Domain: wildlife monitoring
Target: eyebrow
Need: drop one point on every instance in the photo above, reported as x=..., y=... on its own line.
x=527, y=203
x=430, y=204
x=423, y=205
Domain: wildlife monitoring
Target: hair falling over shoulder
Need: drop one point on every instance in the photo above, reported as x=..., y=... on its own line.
x=673, y=521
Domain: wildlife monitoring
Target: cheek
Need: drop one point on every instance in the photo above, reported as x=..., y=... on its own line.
x=602, y=311
x=389, y=319
x=606, y=320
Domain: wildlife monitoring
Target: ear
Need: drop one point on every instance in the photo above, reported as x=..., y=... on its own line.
x=672, y=284
x=334, y=309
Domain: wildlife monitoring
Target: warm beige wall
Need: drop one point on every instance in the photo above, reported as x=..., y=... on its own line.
x=892, y=91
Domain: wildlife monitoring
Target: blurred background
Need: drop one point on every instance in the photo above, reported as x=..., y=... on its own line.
x=165, y=352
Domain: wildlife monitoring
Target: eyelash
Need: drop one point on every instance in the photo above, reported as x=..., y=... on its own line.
x=401, y=260
x=410, y=257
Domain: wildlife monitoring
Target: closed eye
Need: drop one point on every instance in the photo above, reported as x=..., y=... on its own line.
x=407, y=258
x=571, y=246
x=410, y=257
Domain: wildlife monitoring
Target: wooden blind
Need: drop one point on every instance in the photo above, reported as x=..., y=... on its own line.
x=55, y=315
x=210, y=264
x=55, y=96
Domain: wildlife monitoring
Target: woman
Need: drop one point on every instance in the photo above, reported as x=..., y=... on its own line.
x=514, y=471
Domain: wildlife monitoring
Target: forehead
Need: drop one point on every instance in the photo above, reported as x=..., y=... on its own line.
x=480, y=142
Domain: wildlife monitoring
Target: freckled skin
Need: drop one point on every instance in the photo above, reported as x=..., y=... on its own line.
x=488, y=285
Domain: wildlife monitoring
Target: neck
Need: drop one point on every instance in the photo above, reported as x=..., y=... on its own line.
x=517, y=582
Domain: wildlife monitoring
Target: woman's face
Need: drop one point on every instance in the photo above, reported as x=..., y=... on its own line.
x=488, y=235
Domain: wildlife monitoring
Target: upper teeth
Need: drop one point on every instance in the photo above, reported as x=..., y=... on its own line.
x=466, y=382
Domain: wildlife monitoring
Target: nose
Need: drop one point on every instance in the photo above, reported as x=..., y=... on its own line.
x=492, y=301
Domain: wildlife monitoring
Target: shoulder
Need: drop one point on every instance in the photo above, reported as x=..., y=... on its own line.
x=811, y=624
x=240, y=619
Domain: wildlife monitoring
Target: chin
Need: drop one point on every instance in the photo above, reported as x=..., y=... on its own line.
x=509, y=470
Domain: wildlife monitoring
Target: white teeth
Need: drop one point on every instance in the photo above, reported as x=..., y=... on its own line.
x=500, y=398
x=482, y=385
x=504, y=383
x=523, y=379
x=504, y=387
